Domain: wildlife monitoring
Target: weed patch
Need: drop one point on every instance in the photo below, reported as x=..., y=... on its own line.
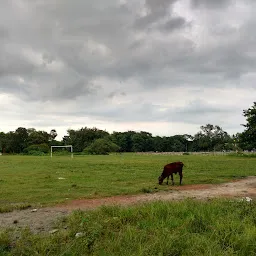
x=160, y=228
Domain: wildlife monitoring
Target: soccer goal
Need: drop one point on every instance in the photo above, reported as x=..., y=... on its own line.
x=68, y=146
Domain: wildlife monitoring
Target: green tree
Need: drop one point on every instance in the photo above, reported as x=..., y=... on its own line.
x=210, y=138
x=102, y=146
x=188, y=141
x=83, y=137
x=37, y=149
x=123, y=140
x=248, y=137
x=9, y=142
x=2, y=142
x=166, y=144
x=14, y=142
x=37, y=137
x=158, y=143
x=177, y=143
x=142, y=142
x=20, y=140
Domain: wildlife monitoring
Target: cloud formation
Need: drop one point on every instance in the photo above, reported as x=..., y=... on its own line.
x=166, y=66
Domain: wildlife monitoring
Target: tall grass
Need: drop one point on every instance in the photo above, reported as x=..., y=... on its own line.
x=35, y=181
x=159, y=228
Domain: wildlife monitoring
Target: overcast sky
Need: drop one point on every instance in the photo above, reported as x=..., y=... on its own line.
x=162, y=66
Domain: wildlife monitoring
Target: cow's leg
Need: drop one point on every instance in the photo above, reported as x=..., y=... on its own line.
x=181, y=175
x=172, y=179
x=167, y=180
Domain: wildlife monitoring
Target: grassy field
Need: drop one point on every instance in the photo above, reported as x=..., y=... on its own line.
x=30, y=180
x=217, y=227
x=159, y=228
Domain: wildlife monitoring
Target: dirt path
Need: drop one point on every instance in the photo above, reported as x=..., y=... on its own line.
x=43, y=219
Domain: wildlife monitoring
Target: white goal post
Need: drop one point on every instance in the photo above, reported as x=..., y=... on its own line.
x=68, y=146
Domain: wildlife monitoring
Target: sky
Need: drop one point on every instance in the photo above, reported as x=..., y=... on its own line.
x=162, y=66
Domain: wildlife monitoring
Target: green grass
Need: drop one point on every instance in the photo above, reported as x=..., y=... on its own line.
x=32, y=180
x=160, y=228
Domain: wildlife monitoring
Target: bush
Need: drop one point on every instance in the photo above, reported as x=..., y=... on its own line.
x=5, y=242
x=37, y=149
x=241, y=154
x=101, y=147
x=35, y=153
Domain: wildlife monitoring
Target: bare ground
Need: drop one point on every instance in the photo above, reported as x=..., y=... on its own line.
x=43, y=219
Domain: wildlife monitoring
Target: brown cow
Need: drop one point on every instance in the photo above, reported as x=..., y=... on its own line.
x=170, y=169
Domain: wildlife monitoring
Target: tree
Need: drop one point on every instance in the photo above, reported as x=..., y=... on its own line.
x=177, y=143
x=123, y=140
x=37, y=149
x=83, y=137
x=20, y=140
x=2, y=142
x=14, y=142
x=158, y=143
x=188, y=140
x=101, y=147
x=210, y=138
x=248, y=137
x=142, y=142
x=37, y=137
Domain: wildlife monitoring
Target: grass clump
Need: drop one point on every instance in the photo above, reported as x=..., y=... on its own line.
x=148, y=190
x=159, y=228
x=243, y=154
x=11, y=207
x=5, y=242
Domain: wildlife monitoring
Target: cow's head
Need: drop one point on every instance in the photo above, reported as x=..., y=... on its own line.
x=160, y=179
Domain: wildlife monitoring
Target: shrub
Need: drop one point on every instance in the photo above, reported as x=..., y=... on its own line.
x=37, y=149
x=101, y=147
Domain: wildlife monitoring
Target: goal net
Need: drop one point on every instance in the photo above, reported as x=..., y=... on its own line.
x=68, y=146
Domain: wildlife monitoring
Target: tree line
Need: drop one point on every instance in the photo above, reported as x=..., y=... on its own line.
x=96, y=141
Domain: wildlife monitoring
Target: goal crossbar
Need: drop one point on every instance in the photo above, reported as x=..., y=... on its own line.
x=67, y=146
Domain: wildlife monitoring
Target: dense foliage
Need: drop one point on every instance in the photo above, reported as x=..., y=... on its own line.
x=93, y=140
x=101, y=147
x=26, y=141
x=248, y=137
x=96, y=141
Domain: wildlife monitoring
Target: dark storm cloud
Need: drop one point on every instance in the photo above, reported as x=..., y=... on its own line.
x=193, y=113
x=174, y=23
x=110, y=58
x=11, y=64
x=81, y=87
x=211, y=3
x=144, y=22
x=3, y=33
x=157, y=11
x=161, y=4
x=89, y=46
